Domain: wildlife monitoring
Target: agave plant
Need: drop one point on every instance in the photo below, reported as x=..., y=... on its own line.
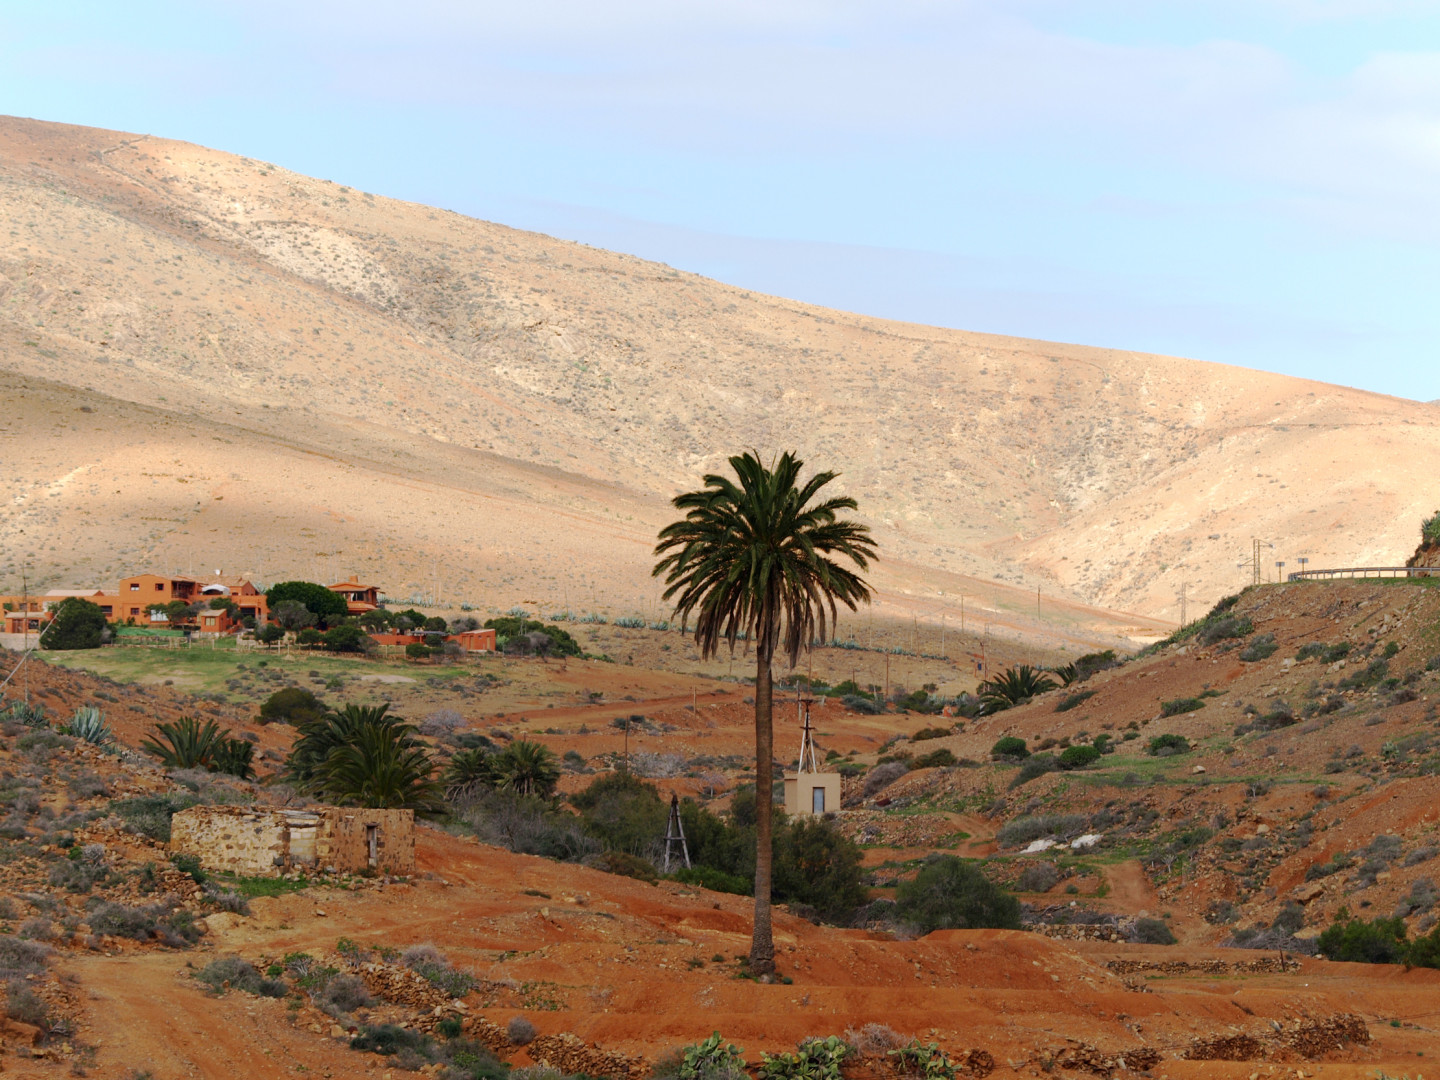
x=1014, y=687
x=526, y=768
x=234, y=756
x=468, y=773
x=88, y=724
x=188, y=744
x=22, y=712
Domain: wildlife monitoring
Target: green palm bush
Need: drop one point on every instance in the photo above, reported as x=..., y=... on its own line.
x=187, y=743
x=381, y=767
x=752, y=558
x=234, y=756
x=526, y=768
x=1014, y=687
x=88, y=724
x=315, y=739
x=468, y=773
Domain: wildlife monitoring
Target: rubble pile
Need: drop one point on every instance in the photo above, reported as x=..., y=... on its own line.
x=974, y=1062
x=1077, y=932
x=573, y=1056
x=1308, y=1037
x=401, y=986
x=489, y=1033
x=1265, y=965
x=1082, y=1057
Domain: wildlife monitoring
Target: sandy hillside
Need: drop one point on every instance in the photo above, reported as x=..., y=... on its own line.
x=288, y=376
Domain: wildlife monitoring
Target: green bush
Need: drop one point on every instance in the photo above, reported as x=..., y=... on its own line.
x=76, y=624
x=1036, y=765
x=624, y=864
x=1260, y=648
x=347, y=637
x=1180, y=705
x=1166, y=745
x=623, y=812
x=1430, y=529
x=1070, y=701
x=1010, y=747
x=329, y=607
x=415, y=651
x=150, y=814
x=950, y=894
x=1379, y=942
x=936, y=759
x=1373, y=673
x=233, y=973
x=927, y=733
x=707, y=877
x=1078, y=757
x=510, y=626
x=1226, y=626
x=1151, y=932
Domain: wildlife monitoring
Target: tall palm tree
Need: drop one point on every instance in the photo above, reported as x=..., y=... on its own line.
x=751, y=558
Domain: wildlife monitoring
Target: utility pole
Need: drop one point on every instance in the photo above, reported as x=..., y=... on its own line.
x=1037, y=603
x=1255, y=559
x=1279, y=571
x=1183, y=586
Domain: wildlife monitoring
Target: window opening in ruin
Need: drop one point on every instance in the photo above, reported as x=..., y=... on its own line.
x=372, y=842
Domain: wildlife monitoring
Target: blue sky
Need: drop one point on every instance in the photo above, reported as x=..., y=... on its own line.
x=1255, y=182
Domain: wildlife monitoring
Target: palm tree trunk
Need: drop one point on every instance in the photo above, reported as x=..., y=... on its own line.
x=762, y=948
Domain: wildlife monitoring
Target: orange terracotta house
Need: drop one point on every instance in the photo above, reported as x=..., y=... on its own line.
x=358, y=598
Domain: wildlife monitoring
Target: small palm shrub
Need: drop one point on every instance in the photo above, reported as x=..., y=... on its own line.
x=1014, y=687
x=185, y=744
x=381, y=768
x=468, y=773
x=527, y=768
x=234, y=756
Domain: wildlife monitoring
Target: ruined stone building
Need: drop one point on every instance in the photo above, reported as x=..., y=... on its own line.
x=263, y=841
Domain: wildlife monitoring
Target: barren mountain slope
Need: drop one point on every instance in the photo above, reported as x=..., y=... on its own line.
x=230, y=291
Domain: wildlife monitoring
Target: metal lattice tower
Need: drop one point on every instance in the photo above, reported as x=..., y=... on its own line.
x=807, y=740
x=675, y=834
